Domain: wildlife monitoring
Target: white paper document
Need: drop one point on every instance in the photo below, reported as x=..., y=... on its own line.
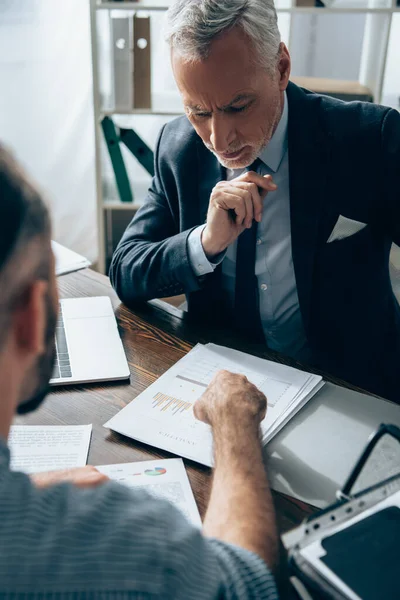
x=163, y=478
x=163, y=414
x=35, y=448
x=67, y=260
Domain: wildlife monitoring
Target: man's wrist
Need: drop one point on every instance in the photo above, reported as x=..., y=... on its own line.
x=232, y=439
x=211, y=250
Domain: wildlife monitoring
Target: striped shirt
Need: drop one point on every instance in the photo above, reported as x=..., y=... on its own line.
x=112, y=543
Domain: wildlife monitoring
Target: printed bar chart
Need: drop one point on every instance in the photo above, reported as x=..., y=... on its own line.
x=164, y=403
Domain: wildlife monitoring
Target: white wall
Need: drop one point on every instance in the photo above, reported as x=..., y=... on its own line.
x=327, y=45
x=391, y=85
x=46, y=112
x=331, y=46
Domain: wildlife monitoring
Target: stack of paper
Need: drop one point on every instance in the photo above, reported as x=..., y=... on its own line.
x=162, y=478
x=163, y=414
x=67, y=260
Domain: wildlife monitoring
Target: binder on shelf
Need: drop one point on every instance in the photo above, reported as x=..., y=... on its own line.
x=121, y=35
x=121, y=176
x=131, y=76
x=141, y=62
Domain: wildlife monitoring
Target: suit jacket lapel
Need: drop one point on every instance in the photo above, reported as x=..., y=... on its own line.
x=309, y=155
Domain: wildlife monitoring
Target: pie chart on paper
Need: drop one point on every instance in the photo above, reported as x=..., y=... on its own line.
x=155, y=471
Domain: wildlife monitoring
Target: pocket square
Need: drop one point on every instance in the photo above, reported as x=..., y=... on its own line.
x=345, y=228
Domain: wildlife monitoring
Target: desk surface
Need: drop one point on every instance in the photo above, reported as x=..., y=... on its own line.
x=154, y=339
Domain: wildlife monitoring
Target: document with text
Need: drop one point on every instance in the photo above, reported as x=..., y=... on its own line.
x=163, y=478
x=36, y=448
x=163, y=416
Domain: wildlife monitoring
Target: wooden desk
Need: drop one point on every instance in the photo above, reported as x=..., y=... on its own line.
x=154, y=339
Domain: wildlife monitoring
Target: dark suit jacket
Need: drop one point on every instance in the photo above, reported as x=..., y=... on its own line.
x=344, y=159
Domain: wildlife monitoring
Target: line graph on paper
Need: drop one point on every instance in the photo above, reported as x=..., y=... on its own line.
x=201, y=372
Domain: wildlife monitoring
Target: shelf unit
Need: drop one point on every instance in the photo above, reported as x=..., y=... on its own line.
x=141, y=111
x=162, y=5
x=372, y=73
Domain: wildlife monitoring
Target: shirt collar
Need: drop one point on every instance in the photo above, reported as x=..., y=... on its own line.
x=274, y=151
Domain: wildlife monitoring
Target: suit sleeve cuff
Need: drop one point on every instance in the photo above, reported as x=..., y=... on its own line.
x=197, y=257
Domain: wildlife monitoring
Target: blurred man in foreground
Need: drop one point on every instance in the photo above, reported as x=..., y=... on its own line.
x=107, y=541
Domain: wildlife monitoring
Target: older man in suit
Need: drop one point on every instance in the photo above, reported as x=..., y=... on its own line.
x=271, y=206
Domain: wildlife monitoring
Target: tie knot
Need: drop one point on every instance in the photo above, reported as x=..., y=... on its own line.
x=255, y=165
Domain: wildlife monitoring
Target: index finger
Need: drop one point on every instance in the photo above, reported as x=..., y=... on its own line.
x=265, y=182
x=199, y=410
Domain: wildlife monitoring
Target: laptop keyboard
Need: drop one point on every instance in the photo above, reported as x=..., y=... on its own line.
x=62, y=365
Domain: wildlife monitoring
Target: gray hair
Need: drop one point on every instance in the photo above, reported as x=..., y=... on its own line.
x=193, y=24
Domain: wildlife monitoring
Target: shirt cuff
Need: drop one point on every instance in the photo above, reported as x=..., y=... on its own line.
x=197, y=257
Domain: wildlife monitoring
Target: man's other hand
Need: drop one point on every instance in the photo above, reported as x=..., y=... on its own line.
x=231, y=399
x=81, y=477
x=233, y=207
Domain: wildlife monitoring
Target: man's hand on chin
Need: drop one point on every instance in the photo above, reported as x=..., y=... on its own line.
x=81, y=477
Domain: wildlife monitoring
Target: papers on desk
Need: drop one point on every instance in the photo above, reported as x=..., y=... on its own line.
x=35, y=449
x=163, y=414
x=163, y=478
x=67, y=260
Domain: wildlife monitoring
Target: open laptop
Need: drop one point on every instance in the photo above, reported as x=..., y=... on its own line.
x=88, y=345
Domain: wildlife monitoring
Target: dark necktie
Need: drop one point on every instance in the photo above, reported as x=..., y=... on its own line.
x=247, y=311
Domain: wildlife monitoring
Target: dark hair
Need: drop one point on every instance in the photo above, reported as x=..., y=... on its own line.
x=24, y=219
x=23, y=214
